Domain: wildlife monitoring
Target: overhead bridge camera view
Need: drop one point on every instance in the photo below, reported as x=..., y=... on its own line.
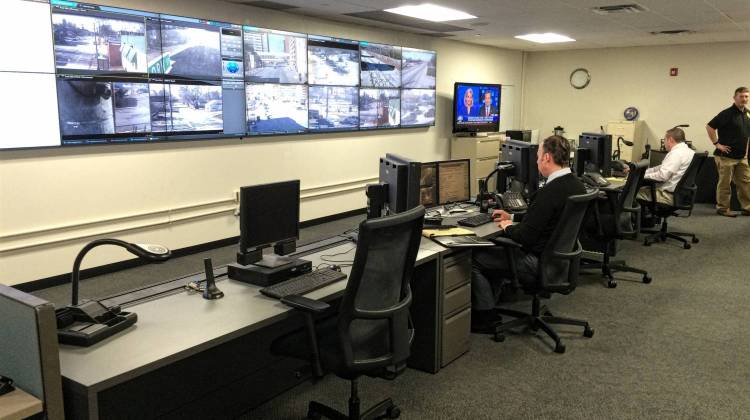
x=380, y=66
x=186, y=51
x=419, y=69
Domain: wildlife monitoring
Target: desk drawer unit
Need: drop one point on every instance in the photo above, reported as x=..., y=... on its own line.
x=456, y=306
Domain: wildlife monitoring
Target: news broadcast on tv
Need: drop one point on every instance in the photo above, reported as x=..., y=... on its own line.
x=477, y=104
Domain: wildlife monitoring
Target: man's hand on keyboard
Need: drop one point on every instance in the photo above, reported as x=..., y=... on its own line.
x=500, y=215
x=504, y=224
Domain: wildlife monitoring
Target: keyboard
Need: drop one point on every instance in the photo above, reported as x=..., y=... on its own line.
x=478, y=220
x=513, y=201
x=304, y=283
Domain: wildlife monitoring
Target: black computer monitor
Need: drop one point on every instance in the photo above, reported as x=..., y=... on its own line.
x=523, y=157
x=399, y=177
x=269, y=213
x=600, y=151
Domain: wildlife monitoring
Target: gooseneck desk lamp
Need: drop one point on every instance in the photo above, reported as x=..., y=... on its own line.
x=616, y=155
x=91, y=321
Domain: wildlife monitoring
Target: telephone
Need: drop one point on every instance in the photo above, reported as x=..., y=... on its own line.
x=619, y=167
x=512, y=202
x=594, y=179
x=6, y=385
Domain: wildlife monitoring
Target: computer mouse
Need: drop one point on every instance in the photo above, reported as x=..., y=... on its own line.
x=334, y=267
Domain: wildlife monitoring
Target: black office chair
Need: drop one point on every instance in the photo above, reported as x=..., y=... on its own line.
x=618, y=217
x=557, y=272
x=371, y=334
x=684, y=198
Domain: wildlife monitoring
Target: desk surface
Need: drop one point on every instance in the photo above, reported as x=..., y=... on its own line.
x=178, y=326
x=19, y=405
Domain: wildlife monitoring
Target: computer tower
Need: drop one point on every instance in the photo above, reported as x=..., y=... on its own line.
x=520, y=135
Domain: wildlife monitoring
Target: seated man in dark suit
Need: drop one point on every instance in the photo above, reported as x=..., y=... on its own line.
x=532, y=232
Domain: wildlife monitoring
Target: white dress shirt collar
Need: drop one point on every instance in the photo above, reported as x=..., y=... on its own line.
x=558, y=173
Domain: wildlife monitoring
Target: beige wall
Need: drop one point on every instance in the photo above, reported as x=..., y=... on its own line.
x=639, y=76
x=53, y=201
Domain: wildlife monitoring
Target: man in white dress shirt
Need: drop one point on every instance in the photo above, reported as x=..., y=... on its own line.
x=671, y=170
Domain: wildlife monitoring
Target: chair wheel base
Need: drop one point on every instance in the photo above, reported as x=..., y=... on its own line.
x=560, y=348
x=312, y=415
x=393, y=412
x=695, y=240
x=499, y=337
x=588, y=332
x=646, y=279
x=611, y=283
x=686, y=246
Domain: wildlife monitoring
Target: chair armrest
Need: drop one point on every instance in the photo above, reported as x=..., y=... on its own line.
x=305, y=304
x=503, y=241
x=569, y=255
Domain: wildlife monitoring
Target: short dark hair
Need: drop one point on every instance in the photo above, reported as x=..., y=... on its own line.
x=559, y=148
x=677, y=134
x=741, y=89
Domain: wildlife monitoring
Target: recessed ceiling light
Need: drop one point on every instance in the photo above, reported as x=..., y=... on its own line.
x=545, y=38
x=431, y=12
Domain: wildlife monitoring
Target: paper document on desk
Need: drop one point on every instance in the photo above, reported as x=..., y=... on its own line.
x=462, y=241
x=456, y=231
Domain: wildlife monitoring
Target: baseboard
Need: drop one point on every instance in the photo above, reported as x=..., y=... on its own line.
x=64, y=278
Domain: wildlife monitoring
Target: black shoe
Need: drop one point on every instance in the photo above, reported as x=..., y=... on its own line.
x=483, y=322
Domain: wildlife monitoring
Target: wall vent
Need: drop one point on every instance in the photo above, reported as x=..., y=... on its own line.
x=265, y=4
x=619, y=9
x=673, y=32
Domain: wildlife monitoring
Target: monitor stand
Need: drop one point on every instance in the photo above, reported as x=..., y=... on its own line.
x=273, y=261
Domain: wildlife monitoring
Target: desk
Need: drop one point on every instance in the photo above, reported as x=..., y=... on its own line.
x=190, y=357
x=18, y=405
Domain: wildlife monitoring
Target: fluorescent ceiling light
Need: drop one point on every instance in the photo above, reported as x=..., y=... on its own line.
x=431, y=12
x=545, y=38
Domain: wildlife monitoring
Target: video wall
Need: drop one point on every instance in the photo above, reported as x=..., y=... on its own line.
x=123, y=76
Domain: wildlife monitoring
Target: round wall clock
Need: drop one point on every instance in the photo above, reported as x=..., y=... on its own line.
x=631, y=113
x=580, y=78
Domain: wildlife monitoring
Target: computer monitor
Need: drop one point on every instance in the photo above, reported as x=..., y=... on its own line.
x=444, y=182
x=600, y=155
x=269, y=213
x=400, y=178
x=428, y=184
x=523, y=157
x=454, y=181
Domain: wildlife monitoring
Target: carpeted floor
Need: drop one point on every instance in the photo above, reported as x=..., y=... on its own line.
x=673, y=349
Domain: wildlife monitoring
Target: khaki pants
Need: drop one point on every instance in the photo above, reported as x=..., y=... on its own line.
x=736, y=170
x=663, y=197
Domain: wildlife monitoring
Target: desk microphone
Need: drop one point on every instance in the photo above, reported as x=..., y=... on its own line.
x=211, y=291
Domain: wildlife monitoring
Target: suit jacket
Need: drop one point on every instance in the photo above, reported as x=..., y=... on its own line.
x=543, y=214
x=483, y=111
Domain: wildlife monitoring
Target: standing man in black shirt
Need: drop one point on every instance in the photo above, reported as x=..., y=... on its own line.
x=533, y=230
x=731, y=154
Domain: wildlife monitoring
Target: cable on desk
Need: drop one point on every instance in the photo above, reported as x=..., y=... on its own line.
x=327, y=258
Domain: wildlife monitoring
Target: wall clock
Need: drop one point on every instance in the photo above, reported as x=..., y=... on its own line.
x=580, y=78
